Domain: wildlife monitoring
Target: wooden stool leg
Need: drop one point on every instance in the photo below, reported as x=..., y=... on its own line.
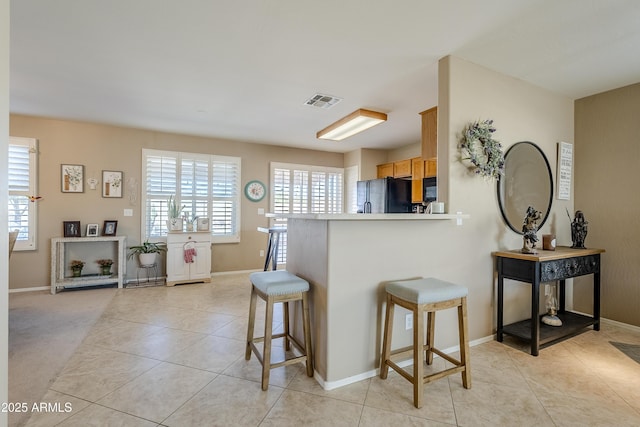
x=386, y=341
x=306, y=325
x=418, y=362
x=252, y=322
x=285, y=315
x=266, y=352
x=431, y=328
x=464, y=343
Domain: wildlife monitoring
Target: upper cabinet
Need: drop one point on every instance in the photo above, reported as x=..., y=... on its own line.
x=402, y=169
x=430, y=133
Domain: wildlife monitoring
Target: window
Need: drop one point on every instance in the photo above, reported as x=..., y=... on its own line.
x=204, y=185
x=23, y=176
x=305, y=189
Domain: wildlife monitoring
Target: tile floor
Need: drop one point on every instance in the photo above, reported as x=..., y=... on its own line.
x=163, y=356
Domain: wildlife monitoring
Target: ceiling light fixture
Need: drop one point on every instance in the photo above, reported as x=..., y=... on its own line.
x=352, y=124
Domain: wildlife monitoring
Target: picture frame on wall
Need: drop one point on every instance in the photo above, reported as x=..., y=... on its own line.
x=92, y=230
x=71, y=228
x=72, y=178
x=112, y=183
x=109, y=228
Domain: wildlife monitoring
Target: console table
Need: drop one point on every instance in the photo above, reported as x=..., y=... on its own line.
x=547, y=266
x=59, y=263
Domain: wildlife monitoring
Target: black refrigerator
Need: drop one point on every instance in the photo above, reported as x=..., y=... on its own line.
x=384, y=195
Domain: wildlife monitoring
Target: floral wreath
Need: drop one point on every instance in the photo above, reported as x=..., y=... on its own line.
x=485, y=153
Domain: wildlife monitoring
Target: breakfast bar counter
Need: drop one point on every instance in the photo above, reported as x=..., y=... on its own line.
x=347, y=259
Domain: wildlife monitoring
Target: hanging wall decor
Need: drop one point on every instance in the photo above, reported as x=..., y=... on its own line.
x=482, y=154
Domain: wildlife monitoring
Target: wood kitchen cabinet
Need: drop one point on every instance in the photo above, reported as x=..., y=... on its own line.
x=179, y=270
x=430, y=168
x=402, y=169
x=430, y=133
x=417, y=173
x=385, y=170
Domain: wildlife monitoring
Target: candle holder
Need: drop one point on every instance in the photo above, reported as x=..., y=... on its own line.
x=551, y=318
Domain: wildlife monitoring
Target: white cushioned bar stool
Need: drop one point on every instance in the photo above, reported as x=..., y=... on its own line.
x=274, y=287
x=425, y=296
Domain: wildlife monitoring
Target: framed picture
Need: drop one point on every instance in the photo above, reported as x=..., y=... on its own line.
x=92, y=230
x=109, y=228
x=111, y=184
x=71, y=228
x=72, y=178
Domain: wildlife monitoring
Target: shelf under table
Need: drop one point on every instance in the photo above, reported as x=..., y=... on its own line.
x=572, y=324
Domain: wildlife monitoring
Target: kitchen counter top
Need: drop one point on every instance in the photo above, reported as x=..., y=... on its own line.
x=370, y=217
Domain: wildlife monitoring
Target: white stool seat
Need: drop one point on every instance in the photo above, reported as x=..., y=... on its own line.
x=279, y=282
x=426, y=291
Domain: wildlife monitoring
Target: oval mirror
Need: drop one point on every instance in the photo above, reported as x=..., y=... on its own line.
x=527, y=181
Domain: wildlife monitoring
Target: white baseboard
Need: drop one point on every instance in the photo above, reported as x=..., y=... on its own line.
x=39, y=288
x=330, y=385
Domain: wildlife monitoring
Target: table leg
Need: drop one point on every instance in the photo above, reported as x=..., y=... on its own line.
x=535, y=317
x=596, y=301
x=563, y=297
x=500, y=320
x=274, y=257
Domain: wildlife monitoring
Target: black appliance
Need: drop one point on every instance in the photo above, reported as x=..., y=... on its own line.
x=429, y=189
x=384, y=195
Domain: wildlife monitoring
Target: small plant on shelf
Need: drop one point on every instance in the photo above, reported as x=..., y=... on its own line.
x=105, y=265
x=76, y=267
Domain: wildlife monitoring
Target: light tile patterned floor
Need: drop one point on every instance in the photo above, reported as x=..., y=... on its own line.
x=175, y=357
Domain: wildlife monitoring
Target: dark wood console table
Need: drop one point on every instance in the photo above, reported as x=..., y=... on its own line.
x=548, y=266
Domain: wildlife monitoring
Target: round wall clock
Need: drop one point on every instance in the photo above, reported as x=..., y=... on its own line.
x=255, y=191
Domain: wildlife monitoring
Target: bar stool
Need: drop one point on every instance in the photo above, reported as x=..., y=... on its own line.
x=273, y=287
x=425, y=296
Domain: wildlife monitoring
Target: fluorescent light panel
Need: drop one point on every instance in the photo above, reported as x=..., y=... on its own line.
x=352, y=124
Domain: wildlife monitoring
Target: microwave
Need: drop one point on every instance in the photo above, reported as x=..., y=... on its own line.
x=429, y=189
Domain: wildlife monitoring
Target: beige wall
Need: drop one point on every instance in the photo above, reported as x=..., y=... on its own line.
x=521, y=112
x=607, y=174
x=99, y=147
x=4, y=141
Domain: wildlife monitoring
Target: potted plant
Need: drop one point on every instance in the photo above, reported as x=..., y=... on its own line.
x=174, y=223
x=147, y=252
x=76, y=267
x=105, y=266
x=191, y=221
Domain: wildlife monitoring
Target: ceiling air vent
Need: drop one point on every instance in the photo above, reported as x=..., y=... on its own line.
x=322, y=101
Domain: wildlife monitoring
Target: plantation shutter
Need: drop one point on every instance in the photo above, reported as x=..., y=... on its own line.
x=22, y=174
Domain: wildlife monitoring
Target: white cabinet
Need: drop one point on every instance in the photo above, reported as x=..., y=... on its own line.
x=65, y=248
x=188, y=257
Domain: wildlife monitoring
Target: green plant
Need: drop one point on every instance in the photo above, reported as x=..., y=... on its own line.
x=105, y=262
x=146, y=248
x=76, y=264
x=173, y=210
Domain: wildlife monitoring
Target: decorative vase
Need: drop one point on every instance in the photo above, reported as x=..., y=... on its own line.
x=189, y=226
x=106, y=270
x=77, y=272
x=147, y=259
x=174, y=224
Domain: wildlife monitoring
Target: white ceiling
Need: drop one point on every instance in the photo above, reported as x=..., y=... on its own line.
x=242, y=69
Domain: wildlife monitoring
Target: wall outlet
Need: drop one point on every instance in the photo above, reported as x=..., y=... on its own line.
x=128, y=212
x=261, y=252
x=408, y=321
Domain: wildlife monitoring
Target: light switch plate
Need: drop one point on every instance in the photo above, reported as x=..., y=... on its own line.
x=128, y=212
x=260, y=211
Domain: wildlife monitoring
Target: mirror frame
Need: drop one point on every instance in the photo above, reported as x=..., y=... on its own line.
x=500, y=189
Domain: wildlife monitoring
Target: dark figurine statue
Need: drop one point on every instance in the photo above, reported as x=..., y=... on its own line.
x=529, y=229
x=579, y=228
